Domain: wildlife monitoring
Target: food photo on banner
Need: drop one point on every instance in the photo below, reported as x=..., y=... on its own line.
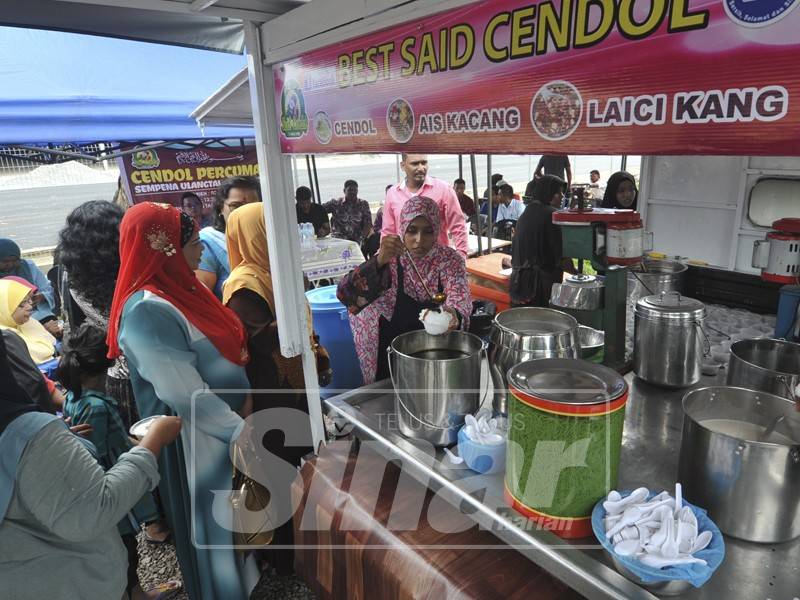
x=574, y=77
x=185, y=176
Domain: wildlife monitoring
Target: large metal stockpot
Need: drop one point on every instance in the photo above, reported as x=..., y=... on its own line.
x=751, y=489
x=765, y=364
x=668, y=339
x=437, y=382
x=654, y=277
x=528, y=333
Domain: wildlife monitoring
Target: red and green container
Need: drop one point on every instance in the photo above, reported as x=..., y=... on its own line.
x=564, y=439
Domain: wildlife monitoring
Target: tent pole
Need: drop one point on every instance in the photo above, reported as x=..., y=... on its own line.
x=283, y=239
x=295, y=176
x=316, y=178
x=474, y=172
x=490, y=220
x=311, y=179
x=460, y=166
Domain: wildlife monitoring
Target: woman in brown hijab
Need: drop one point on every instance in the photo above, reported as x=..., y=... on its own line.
x=277, y=381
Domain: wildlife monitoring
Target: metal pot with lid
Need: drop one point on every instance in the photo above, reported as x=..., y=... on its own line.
x=528, y=333
x=668, y=339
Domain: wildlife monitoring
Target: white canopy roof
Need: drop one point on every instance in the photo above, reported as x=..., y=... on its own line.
x=229, y=106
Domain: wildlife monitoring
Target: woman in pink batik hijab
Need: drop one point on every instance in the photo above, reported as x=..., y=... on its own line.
x=384, y=295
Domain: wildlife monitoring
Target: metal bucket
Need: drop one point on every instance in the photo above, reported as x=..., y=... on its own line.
x=437, y=382
x=656, y=277
x=528, y=333
x=765, y=364
x=750, y=489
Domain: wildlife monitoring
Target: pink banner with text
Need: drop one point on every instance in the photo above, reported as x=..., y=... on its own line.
x=571, y=76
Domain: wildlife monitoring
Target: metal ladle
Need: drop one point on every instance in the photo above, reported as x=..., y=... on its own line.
x=438, y=297
x=770, y=428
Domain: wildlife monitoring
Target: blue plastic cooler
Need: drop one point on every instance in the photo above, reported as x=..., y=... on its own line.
x=333, y=327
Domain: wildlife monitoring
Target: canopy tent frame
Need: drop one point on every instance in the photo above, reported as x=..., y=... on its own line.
x=100, y=151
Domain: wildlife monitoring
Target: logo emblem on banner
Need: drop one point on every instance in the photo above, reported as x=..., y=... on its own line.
x=145, y=159
x=556, y=110
x=758, y=13
x=294, y=121
x=323, y=128
x=400, y=120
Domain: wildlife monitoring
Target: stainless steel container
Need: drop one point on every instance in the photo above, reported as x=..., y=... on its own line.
x=578, y=292
x=437, y=382
x=668, y=339
x=591, y=340
x=765, y=364
x=654, y=277
x=750, y=489
x=528, y=333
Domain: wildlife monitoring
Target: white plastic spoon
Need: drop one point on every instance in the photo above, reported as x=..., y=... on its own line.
x=456, y=460
x=703, y=540
x=660, y=536
x=688, y=517
x=656, y=518
x=651, y=506
x=629, y=517
x=678, y=498
x=618, y=506
x=669, y=549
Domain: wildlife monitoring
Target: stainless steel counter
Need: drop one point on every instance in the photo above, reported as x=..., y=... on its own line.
x=651, y=442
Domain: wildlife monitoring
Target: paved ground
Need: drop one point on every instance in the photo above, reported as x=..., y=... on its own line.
x=158, y=563
x=33, y=217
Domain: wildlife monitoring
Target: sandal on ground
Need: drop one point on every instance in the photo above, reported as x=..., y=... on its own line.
x=166, y=590
x=151, y=540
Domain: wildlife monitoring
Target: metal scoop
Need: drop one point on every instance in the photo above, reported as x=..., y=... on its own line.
x=438, y=297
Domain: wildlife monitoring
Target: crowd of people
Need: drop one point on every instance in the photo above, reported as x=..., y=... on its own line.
x=151, y=310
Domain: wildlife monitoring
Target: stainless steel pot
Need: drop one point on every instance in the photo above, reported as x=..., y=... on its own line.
x=668, y=339
x=654, y=277
x=578, y=292
x=765, y=364
x=750, y=489
x=528, y=333
x=437, y=382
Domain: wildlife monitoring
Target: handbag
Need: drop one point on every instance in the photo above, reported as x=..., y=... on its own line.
x=252, y=519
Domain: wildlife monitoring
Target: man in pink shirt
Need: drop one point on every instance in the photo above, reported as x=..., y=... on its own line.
x=418, y=183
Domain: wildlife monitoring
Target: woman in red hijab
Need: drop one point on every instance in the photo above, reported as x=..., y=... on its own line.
x=182, y=344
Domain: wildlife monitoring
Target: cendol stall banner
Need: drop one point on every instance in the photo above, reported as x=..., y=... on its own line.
x=571, y=76
x=166, y=174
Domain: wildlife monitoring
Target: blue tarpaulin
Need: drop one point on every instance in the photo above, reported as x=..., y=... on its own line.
x=60, y=87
